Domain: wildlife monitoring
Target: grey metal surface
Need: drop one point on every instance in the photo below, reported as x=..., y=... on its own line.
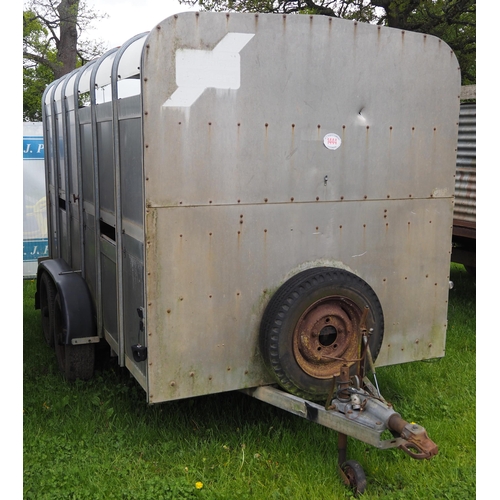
x=362, y=429
x=465, y=182
x=260, y=145
x=241, y=192
x=92, y=137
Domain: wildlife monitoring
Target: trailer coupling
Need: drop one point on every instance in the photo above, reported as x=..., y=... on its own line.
x=417, y=443
x=362, y=407
x=362, y=416
x=359, y=412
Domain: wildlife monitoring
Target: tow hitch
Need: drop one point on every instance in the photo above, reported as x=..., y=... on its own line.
x=358, y=413
x=355, y=408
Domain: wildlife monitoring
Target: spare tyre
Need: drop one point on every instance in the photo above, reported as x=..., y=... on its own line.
x=311, y=327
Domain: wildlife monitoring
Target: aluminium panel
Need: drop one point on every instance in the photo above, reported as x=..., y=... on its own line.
x=391, y=97
x=219, y=265
x=277, y=143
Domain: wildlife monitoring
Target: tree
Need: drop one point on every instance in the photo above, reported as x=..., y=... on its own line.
x=454, y=21
x=53, y=46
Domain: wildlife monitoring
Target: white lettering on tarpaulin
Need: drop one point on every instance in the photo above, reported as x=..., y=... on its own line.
x=33, y=148
x=198, y=70
x=332, y=141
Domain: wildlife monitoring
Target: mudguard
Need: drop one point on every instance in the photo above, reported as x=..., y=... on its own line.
x=76, y=302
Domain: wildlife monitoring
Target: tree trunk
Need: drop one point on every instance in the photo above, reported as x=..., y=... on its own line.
x=68, y=37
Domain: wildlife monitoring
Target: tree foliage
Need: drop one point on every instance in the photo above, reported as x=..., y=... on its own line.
x=454, y=21
x=53, y=45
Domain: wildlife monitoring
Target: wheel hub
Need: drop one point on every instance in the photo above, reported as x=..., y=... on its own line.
x=327, y=336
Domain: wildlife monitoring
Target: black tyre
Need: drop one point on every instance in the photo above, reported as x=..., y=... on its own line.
x=47, y=300
x=311, y=327
x=75, y=361
x=355, y=476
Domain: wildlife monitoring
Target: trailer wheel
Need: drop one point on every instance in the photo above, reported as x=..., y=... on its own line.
x=311, y=325
x=75, y=361
x=355, y=476
x=47, y=299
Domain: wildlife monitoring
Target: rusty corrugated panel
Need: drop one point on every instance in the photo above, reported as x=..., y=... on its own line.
x=465, y=183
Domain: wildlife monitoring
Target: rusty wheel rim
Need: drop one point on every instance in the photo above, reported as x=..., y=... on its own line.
x=327, y=337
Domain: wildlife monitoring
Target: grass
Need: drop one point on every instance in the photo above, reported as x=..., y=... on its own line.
x=100, y=440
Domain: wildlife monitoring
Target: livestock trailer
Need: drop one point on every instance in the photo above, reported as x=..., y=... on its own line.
x=260, y=203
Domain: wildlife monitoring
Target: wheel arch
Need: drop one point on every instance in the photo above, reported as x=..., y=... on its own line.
x=77, y=306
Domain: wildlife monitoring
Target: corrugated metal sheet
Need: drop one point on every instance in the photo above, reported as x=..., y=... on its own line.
x=465, y=182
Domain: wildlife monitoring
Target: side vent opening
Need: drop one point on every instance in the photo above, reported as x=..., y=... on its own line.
x=107, y=230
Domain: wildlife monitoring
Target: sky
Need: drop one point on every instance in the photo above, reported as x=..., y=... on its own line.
x=127, y=18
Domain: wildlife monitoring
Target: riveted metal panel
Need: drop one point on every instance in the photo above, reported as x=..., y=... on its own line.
x=225, y=262
x=325, y=142
x=257, y=147
x=301, y=79
x=237, y=157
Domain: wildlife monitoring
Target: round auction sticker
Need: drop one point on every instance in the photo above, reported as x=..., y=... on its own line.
x=332, y=141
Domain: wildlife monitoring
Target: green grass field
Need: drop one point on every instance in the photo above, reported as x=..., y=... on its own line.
x=100, y=440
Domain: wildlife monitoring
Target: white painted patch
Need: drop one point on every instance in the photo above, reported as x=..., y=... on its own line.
x=198, y=70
